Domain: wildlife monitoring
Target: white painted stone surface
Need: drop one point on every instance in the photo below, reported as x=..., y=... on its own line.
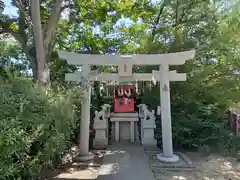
x=166, y=111
x=107, y=114
x=125, y=68
x=116, y=131
x=123, y=115
x=132, y=131
x=84, y=127
x=85, y=121
x=173, y=76
x=141, y=110
x=159, y=110
x=108, y=110
x=136, y=59
x=124, y=130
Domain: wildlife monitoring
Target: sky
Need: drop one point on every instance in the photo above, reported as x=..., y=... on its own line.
x=9, y=9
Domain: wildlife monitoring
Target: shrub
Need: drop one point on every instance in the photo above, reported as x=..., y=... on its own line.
x=35, y=127
x=197, y=123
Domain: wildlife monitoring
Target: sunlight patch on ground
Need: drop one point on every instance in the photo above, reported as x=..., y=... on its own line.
x=179, y=177
x=89, y=173
x=111, y=168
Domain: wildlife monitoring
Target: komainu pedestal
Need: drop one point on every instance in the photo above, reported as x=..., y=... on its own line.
x=101, y=128
x=147, y=126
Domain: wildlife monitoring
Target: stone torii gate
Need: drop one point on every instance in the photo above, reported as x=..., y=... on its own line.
x=125, y=64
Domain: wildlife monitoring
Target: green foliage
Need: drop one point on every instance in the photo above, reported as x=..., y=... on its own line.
x=12, y=60
x=197, y=116
x=30, y=116
x=228, y=144
x=36, y=127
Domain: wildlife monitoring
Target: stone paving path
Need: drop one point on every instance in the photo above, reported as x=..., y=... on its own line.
x=125, y=161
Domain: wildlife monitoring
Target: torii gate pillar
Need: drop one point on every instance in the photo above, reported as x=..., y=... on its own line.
x=167, y=155
x=84, y=154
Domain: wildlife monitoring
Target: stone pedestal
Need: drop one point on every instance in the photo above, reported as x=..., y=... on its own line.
x=101, y=127
x=85, y=157
x=148, y=126
x=124, y=126
x=100, y=139
x=172, y=159
x=124, y=133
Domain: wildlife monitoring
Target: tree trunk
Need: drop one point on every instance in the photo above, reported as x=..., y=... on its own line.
x=34, y=69
x=41, y=71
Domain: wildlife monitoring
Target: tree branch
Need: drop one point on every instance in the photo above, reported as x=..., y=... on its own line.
x=22, y=26
x=23, y=12
x=176, y=13
x=157, y=20
x=52, y=25
x=183, y=15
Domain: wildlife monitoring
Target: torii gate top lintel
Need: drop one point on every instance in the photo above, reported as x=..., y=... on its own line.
x=177, y=58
